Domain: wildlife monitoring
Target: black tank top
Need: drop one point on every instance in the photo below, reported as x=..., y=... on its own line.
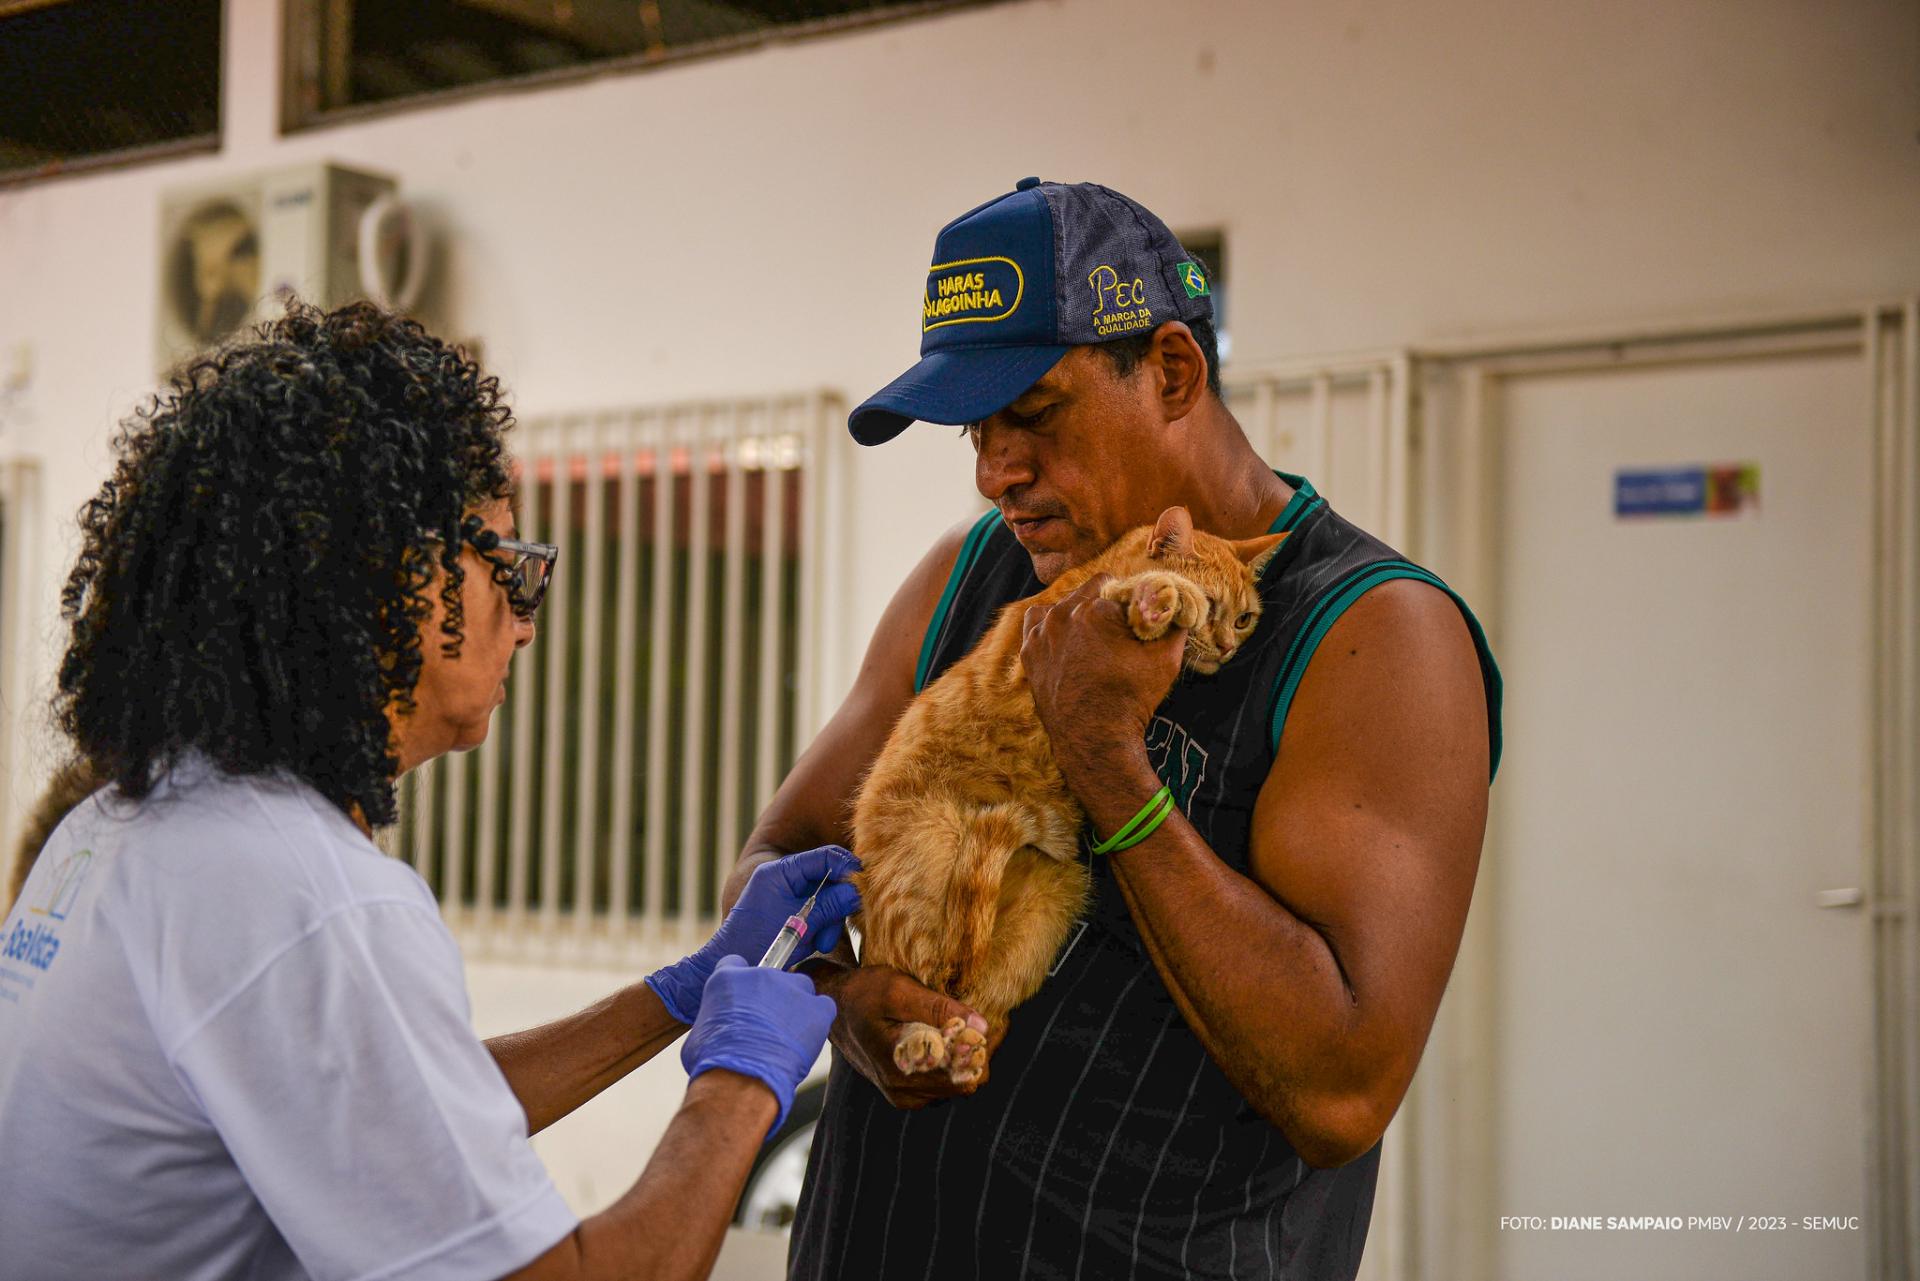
x=1106, y=1143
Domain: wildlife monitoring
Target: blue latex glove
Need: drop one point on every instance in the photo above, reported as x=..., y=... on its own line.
x=775, y=892
x=766, y=1024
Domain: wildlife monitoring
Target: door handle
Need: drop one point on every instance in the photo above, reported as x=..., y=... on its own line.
x=1847, y=897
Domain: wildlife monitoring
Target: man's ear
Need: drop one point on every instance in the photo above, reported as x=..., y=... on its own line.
x=1254, y=553
x=1172, y=534
x=1183, y=369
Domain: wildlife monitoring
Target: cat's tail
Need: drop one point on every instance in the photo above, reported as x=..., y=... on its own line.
x=988, y=836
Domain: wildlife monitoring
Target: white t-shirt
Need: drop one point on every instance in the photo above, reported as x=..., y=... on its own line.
x=235, y=1042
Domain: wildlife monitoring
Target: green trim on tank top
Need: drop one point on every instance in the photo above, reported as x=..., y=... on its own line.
x=969, y=553
x=1335, y=602
x=1303, y=503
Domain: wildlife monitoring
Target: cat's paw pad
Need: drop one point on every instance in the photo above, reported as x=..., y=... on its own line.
x=919, y=1049
x=1151, y=605
x=966, y=1052
x=1156, y=602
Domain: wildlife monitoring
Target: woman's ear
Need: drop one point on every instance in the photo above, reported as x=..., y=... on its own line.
x=1172, y=534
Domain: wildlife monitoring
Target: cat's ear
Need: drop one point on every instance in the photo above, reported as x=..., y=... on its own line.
x=1172, y=534
x=1254, y=553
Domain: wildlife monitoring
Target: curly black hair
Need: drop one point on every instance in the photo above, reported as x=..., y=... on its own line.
x=253, y=578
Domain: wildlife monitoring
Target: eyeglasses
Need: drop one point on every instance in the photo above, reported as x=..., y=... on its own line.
x=525, y=571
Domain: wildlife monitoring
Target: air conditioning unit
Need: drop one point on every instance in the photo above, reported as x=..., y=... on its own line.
x=230, y=252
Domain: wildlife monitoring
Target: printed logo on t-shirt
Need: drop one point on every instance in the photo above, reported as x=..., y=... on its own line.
x=33, y=940
x=1180, y=762
x=56, y=900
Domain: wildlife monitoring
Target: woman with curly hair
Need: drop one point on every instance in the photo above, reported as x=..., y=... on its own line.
x=234, y=1036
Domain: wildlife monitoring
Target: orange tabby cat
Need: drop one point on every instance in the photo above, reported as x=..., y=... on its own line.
x=969, y=839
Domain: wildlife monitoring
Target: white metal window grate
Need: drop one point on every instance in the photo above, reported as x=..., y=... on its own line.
x=1344, y=424
x=663, y=700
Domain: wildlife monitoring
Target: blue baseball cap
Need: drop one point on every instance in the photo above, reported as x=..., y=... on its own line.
x=1019, y=280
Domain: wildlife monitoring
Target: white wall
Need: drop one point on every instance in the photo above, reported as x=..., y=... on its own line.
x=1387, y=173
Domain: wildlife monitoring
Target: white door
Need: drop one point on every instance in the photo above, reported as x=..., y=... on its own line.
x=1682, y=1031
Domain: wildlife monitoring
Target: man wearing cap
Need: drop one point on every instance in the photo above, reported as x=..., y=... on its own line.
x=1200, y=1087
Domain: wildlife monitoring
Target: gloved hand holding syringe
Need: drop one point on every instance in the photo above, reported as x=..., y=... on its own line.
x=790, y=907
x=791, y=933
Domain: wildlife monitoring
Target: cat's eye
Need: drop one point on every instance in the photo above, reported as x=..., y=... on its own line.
x=1243, y=622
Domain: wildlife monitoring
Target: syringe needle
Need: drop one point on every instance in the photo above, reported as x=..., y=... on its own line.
x=792, y=932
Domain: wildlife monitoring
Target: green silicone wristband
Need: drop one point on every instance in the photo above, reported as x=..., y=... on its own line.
x=1152, y=814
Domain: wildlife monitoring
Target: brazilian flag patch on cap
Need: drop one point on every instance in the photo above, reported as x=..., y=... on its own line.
x=1193, y=278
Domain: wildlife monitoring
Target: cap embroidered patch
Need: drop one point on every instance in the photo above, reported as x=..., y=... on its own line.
x=1119, y=305
x=1193, y=278
x=972, y=289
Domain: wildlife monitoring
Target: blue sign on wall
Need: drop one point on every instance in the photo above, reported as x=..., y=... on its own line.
x=1672, y=492
x=1720, y=490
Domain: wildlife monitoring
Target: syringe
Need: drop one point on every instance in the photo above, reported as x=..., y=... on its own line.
x=792, y=932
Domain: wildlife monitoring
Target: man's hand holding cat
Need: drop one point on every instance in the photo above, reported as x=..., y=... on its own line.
x=1095, y=684
x=874, y=1003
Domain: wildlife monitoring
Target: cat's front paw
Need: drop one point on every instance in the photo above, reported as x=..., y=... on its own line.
x=919, y=1049
x=966, y=1052
x=1158, y=601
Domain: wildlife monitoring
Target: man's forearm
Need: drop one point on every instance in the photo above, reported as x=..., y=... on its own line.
x=753, y=856
x=554, y=1068
x=1273, y=1008
x=767, y=842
